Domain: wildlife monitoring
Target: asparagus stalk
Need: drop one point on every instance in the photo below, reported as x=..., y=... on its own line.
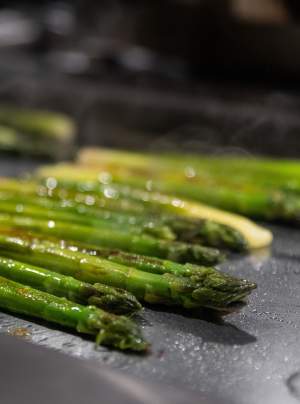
x=251, y=187
x=11, y=140
x=230, y=169
x=36, y=132
x=36, y=209
x=86, y=180
x=111, y=299
x=82, y=198
x=213, y=289
x=141, y=262
x=165, y=226
x=37, y=122
x=141, y=244
x=115, y=331
x=250, y=200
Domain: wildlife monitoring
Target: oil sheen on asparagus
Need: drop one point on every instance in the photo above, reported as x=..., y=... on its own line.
x=109, y=329
x=148, y=191
x=206, y=287
x=257, y=187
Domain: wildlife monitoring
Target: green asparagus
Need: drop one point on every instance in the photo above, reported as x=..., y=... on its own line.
x=256, y=188
x=141, y=244
x=231, y=169
x=165, y=226
x=210, y=289
x=115, y=331
x=21, y=206
x=86, y=180
x=36, y=132
x=114, y=300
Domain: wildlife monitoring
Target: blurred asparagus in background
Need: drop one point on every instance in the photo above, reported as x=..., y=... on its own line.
x=260, y=188
x=36, y=132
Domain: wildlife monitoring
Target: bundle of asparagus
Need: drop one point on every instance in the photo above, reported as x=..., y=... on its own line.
x=36, y=132
x=120, y=213
x=100, y=184
x=150, y=280
x=72, y=238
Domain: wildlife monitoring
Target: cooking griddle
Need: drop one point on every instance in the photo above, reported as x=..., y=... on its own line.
x=250, y=357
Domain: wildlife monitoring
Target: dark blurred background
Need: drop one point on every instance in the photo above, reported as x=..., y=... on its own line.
x=203, y=75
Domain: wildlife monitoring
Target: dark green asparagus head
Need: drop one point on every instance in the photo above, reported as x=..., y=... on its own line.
x=215, y=234
x=220, y=291
x=185, y=252
x=207, y=287
x=207, y=232
x=117, y=331
x=114, y=300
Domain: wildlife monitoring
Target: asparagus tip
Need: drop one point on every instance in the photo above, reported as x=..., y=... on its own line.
x=117, y=301
x=120, y=332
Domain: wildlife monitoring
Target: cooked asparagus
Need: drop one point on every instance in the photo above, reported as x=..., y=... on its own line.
x=21, y=206
x=166, y=226
x=141, y=244
x=86, y=180
x=212, y=289
x=253, y=187
x=115, y=331
x=36, y=132
x=231, y=169
x=141, y=262
x=111, y=299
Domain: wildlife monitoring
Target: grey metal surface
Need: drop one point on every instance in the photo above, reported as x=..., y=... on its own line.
x=40, y=376
x=251, y=358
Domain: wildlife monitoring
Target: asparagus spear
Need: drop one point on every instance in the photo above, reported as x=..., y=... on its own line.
x=114, y=300
x=251, y=187
x=36, y=132
x=165, y=226
x=110, y=199
x=115, y=331
x=37, y=122
x=141, y=262
x=234, y=169
x=87, y=181
x=212, y=289
x=142, y=244
x=17, y=205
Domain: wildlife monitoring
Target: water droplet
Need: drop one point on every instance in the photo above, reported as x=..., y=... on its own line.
x=189, y=172
x=51, y=183
x=111, y=193
x=83, y=261
x=104, y=177
x=90, y=200
x=19, y=208
x=177, y=203
x=51, y=224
